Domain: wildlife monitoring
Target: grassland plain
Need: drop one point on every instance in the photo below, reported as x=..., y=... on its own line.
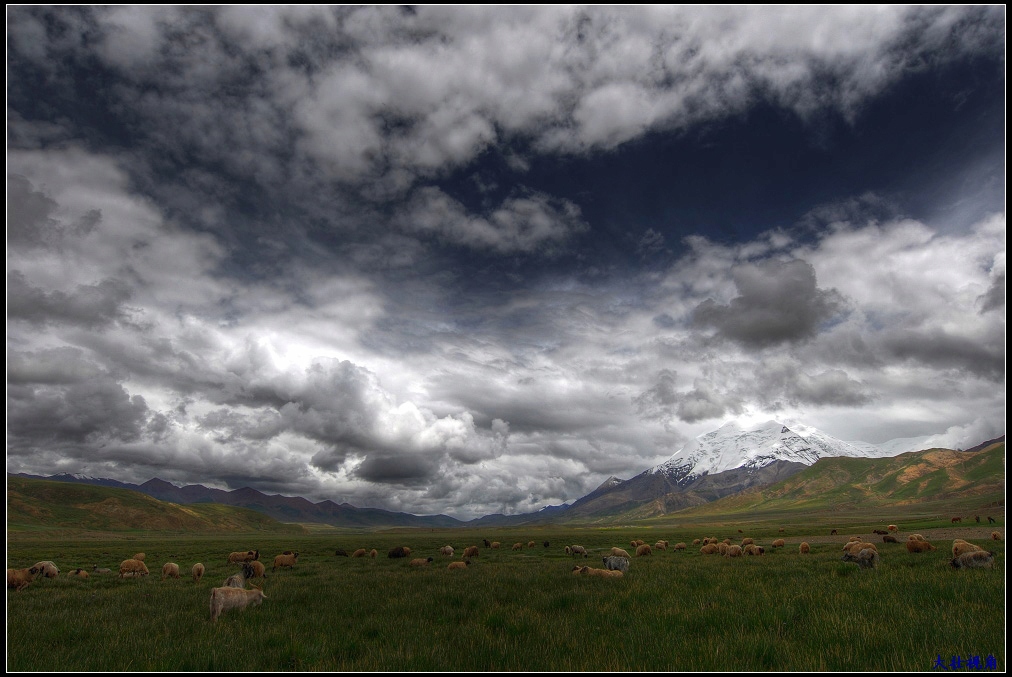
x=515, y=610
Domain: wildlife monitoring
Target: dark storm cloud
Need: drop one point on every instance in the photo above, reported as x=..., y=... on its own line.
x=88, y=305
x=704, y=402
x=942, y=350
x=994, y=298
x=778, y=303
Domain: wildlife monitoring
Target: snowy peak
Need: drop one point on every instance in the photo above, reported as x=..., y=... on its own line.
x=733, y=446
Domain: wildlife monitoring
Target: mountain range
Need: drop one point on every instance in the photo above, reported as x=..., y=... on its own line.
x=726, y=461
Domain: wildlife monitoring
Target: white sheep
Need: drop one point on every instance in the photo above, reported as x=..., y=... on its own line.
x=198, y=571
x=132, y=567
x=446, y=550
x=226, y=599
x=619, y=552
x=170, y=570
x=976, y=559
x=47, y=569
x=578, y=550
x=600, y=573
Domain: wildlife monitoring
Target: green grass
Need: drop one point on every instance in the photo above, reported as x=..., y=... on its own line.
x=510, y=611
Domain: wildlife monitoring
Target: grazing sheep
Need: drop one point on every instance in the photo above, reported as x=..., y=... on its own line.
x=420, y=562
x=680, y=546
x=471, y=551
x=855, y=539
x=340, y=552
x=518, y=546
x=139, y=557
x=78, y=573
x=733, y=551
x=709, y=549
x=226, y=599
x=857, y=546
x=170, y=570
x=637, y=543
x=361, y=552
x=399, y=551
x=753, y=549
x=19, y=579
x=726, y=541
x=915, y=537
x=619, y=552
x=446, y=550
x=578, y=550
x=695, y=541
x=721, y=547
x=100, y=570
x=257, y=570
x=879, y=532
x=47, y=569
x=979, y=559
x=866, y=558
x=239, y=580
x=531, y=544
x=995, y=536
x=957, y=519
x=240, y=557
x=600, y=573
x=889, y=539
x=285, y=560
x=661, y=545
x=459, y=565
x=959, y=546
x=643, y=550
x=780, y=530
x=613, y=563
x=747, y=541
x=132, y=567
x=893, y=527
x=197, y=571
x=495, y=545
x=804, y=549
x=373, y=553
x=487, y=544
x=779, y=543
x=919, y=546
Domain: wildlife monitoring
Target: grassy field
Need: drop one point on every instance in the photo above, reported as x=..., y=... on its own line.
x=515, y=611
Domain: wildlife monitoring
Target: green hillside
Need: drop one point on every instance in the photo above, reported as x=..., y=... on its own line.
x=957, y=480
x=40, y=506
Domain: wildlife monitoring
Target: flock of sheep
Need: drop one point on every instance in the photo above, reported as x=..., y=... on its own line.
x=233, y=594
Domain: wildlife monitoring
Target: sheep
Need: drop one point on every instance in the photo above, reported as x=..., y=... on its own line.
x=139, y=557
x=458, y=565
x=420, y=562
x=979, y=559
x=833, y=532
x=546, y=544
x=486, y=543
x=733, y=551
x=471, y=551
x=361, y=552
x=78, y=573
x=804, y=549
x=132, y=567
x=893, y=527
x=695, y=541
x=959, y=546
x=240, y=557
x=889, y=539
x=495, y=545
x=879, y=532
x=857, y=546
x=726, y=541
x=855, y=539
x=19, y=579
x=747, y=541
x=340, y=552
x=780, y=530
x=518, y=546
x=995, y=536
x=170, y=570
x=578, y=550
x=753, y=549
x=643, y=550
x=257, y=569
x=399, y=551
x=915, y=537
x=531, y=544
x=600, y=573
x=779, y=543
x=680, y=546
x=197, y=571
x=373, y=553
x=446, y=550
x=100, y=570
x=708, y=549
x=285, y=560
x=741, y=532
x=619, y=552
x=613, y=563
x=661, y=545
x=866, y=558
x=721, y=547
x=919, y=546
x=47, y=569
x=238, y=580
x=636, y=543
x=226, y=599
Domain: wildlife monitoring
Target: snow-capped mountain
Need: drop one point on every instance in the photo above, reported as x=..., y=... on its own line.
x=732, y=446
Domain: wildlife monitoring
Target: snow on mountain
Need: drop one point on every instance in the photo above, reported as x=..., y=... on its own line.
x=732, y=446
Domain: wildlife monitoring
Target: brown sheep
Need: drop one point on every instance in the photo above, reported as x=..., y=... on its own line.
x=197, y=571
x=733, y=551
x=780, y=530
x=915, y=537
x=727, y=541
x=240, y=557
x=78, y=573
x=471, y=551
x=132, y=567
x=495, y=545
x=361, y=552
x=889, y=539
x=619, y=552
x=957, y=519
x=170, y=570
x=661, y=545
x=959, y=546
x=979, y=559
x=637, y=543
x=458, y=565
x=373, y=553
x=600, y=573
x=995, y=536
x=696, y=541
x=857, y=546
x=531, y=544
x=226, y=599
x=779, y=543
x=680, y=546
x=285, y=560
x=893, y=527
x=709, y=549
x=139, y=557
x=721, y=547
x=919, y=546
x=19, y=579
x=518, y=546
x=643, y=550
x=420, y=561
x=753, y=549
x=747, y=541
x=258, y=569
x=866, y=558
x=804, y=549
x=855, y=539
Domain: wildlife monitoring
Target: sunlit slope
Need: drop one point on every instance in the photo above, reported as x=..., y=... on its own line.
x=40, y=505
x=834, y=484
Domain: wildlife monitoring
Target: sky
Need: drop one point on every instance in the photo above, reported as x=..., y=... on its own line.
x=475, y=260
